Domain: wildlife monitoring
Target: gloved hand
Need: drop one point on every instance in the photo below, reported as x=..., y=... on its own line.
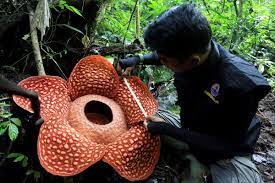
x=152, y=119
x=36, y=108
x=125, y=66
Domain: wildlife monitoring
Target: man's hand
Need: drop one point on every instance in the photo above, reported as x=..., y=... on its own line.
x=126, y=72
x=36, y=109
x=127, y=64
x=35, y=103
x=152, y=119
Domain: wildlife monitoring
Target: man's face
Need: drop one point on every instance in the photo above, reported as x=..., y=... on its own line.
x=178, y=65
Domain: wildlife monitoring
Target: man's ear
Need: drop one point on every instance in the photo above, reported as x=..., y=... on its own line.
x=196, y=60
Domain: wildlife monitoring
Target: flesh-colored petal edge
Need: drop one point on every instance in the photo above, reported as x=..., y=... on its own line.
x=130, y=107
x=52, y=92
x=135, y=154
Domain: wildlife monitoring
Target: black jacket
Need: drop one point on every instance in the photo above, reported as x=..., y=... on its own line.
x=218, y=101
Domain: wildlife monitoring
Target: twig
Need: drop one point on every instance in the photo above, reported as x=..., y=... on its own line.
x=236, y=8
x=6, y=155
x=223, y=5
x=5, y=98
x=20, y=59
x=137, y=20
x=54, y=61
x=130, y=22
x=206, y=6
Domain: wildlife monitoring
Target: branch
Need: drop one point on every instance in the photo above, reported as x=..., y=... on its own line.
x=236, y=8
x=35, y=45
x=117, y=49
x=223, y=5
x=240, y=8
x=137, y=20
x=6, y=154
x=206, y=6
x=134, y=9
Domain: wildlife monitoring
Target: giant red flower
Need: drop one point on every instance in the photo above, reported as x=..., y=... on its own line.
x=91, y=117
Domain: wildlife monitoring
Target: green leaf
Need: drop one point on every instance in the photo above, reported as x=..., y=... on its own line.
x=19, y=158
x=16, y=121
x=6, y=115
x=110, y=59
x=4, y=124
x=3, y=104
x=25, y=162
x=70, y=27
x=29, y=172
x=36, y=174
x=14, y=155
x=13, y=131
x=73, y=9
x=26, y=36
x=261, y=68
x=61, y=4
x=3, y=130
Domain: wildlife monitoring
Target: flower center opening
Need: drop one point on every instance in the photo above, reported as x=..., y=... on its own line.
x=98, y=113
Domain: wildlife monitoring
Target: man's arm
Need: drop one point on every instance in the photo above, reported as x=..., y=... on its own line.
x=147, y=59
x=239, y=113
x=12, y=88
x=193, y=139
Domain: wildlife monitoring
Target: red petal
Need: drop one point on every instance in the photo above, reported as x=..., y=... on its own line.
x=128, y=103
x=95, y=128
x=93, y=75
x=53, y=95
x=63, y=151
x=135, y=154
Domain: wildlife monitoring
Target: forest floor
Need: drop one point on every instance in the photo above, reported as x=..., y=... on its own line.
x=264, y=156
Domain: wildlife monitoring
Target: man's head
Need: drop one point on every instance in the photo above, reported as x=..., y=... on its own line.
x=181, y=36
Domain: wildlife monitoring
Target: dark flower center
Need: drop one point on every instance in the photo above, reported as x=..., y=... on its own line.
x=98, y=113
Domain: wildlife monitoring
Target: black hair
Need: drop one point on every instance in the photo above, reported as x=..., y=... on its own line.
x=179, y=32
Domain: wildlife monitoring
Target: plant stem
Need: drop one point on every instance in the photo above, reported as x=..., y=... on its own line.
x=35, y=45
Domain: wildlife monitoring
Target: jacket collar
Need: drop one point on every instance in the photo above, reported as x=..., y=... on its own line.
x=205, y=71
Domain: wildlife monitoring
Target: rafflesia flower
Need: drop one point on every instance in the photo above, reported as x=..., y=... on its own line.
x=91, y=117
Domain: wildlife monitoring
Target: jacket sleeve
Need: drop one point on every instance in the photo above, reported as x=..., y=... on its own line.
x=193, y=139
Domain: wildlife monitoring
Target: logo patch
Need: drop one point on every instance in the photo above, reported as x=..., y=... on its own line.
x=215, y=88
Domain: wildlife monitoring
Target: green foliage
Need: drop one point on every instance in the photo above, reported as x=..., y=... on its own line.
x=20, y=158
x=63, y=4
x=246, y=31
x=157, y=73
x=36, y=174
x=117, y=19
x=9, y=124
x=246, y=28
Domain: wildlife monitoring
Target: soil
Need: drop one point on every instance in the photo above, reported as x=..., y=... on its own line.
x=264, y=156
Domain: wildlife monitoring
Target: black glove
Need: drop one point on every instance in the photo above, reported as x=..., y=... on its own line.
x=129, y=62
x=36, y=108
